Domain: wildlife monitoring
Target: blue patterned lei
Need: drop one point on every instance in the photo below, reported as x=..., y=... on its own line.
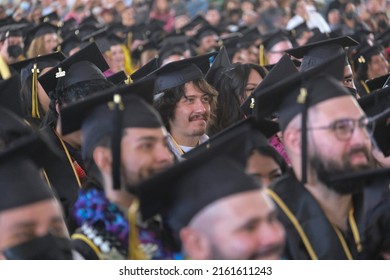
x=92, y=207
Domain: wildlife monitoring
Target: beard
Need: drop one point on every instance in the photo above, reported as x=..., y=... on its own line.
x=328, y=169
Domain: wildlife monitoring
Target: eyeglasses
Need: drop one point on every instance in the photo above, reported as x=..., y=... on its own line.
x=344, y=128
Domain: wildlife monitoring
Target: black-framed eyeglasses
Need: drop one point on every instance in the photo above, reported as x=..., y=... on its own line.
x=344, y=128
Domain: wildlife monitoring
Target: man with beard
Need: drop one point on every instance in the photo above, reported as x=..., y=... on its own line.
x=326, y=134
x=185, y=101
x=123, y=143
x=215, y=210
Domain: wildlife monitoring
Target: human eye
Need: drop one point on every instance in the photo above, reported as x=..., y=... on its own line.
x=146, y=146
x=206, y=99
x=343, y=126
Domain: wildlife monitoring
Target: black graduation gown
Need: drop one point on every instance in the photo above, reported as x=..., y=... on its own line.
x=62, y=178
x=318, y=233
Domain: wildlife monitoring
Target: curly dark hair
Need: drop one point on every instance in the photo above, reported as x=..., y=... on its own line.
x=166, y=104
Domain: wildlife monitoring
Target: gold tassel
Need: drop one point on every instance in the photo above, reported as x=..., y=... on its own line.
x=34, y=93
x=4, y=70
x=302, y=96
x=135, y=252
x=261, y=55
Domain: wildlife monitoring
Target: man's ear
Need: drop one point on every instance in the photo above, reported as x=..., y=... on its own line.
x=195, y=244
x=292, y=140
x=103, y=159
x=57, y=108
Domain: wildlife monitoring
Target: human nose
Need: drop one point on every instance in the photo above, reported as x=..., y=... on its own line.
x=200, y=106
x=271, y=234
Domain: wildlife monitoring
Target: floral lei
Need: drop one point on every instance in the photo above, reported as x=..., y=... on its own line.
x=93, y=207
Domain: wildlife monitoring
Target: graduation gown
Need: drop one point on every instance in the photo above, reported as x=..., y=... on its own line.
x=309, y=233
x=62, y=176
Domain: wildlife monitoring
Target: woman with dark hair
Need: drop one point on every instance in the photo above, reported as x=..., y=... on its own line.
x=234, y=86
x=265, y=164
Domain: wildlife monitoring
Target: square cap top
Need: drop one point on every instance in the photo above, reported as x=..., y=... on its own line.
x=9, y=96
x=25, y=67
x=118, y=78
x=291, y=95
x=210, y=175
x=220, y=64
x=145, y=70
x=284, y=68
x=378, y=83
x=271, y=39
x=178, y=73
x=94, y=115
x=317, y=52
x=53, y=16
x=15, y=29
x=91, y=64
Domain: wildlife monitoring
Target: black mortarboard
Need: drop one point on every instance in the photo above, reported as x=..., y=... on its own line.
x=53, y=16
x=154, y=30
x=198, y=20
x=145, y=70
x=251, y=34
x=118, y=78
x=67, y=27
x=233, y=43
x=236, y=132
x=220, y=64
x=91, y=19
x=298, y=30
x=374, y=105
x=30, y=68
x=87, y=29
x=300, y=91
x=284, y=68
x=365, y=52
x=377, y=83
x=206, y=30
x=317, y=52
x=87, y=64
x=100, y=37
x=107, y=113
x=20, y=178
x=180, y=72
x=12, y=30
x=69, y=43
x=12, y=126
x=147, y=45
x=173, y=45
x=271, y=39
x=9, y=95
x=193, y=184
x=114, y=39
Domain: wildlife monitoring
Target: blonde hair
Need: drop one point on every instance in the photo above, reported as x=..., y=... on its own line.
x=37, y=47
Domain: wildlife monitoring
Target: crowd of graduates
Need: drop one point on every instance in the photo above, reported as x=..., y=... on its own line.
x=195, y=129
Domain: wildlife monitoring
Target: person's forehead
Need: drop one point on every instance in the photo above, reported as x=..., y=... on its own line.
x=338, y=107
x=144, y=132
x=281, y=46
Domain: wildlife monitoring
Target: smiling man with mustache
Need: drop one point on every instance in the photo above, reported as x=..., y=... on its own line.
x=186, y=102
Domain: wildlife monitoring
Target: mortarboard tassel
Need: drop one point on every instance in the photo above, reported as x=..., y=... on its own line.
x=134, y=252
x=303, y=99
x=34, y=93
x=116, y=140
x=261, y=55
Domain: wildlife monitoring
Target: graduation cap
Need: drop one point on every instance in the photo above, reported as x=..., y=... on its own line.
x=154, y=29
x=12, y=30
x=178, y=73
x=220, y=64
x=19, y=171
x=69, y=43
x=271, y=39
x=298, y=30
x=30, y=68
x=298, y=92
x=376, y=106
x=107, y=113
x=87, y=29
x=12, y=126
x=173, y=45
x=191, y=185
x=284, y=68
x=67, y=27
x=87, y=64
x=118, y=78
x=378, y=83
x=197, y=21
x=53, y=16
x=317, y=52
x=244, y=128
x=206, y=30
x=147, y=45
x=145, y=70
x=9, y=95
x=91, y=19
x=365, y=52
x=100, y=38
